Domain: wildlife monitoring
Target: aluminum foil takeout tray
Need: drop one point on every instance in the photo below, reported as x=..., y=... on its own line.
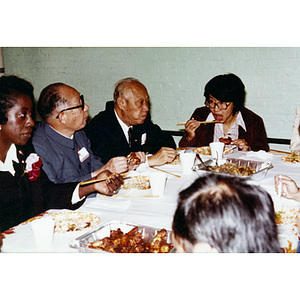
x=260, y=168
x=103, y=231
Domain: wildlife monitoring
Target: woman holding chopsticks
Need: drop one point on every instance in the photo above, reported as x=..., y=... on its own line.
x=25, y=190
x=225, y=117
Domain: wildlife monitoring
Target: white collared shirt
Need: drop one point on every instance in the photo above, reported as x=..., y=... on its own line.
x=233, y=131
x=124, y=127
x=8, y=163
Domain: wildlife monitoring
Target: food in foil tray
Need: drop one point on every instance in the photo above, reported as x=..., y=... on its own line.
x=237, y=167
x=232, y=169
x=132, y=242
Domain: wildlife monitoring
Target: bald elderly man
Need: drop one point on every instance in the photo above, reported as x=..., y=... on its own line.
x=125, y=126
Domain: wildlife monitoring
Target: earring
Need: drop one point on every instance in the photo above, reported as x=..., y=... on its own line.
x=0, y=127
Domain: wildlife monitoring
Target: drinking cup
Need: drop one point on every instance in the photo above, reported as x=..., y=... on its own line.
x=187, y=161
x=157, y=183
x=216, y=149
x=43, y=230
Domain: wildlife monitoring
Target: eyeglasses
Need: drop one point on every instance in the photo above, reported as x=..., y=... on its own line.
x=221, y=105
x=74, y=107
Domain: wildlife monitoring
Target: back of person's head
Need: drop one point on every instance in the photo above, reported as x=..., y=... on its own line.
x=228, y=213
x=49, y=99
x=10, y=88
x=120, y=87
x=226, y=88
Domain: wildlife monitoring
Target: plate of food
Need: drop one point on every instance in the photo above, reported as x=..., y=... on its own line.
x=139, y=182
x=205, y=150
x=293, y=157
x=287, y=229
x=74, y=221
x=286, y=216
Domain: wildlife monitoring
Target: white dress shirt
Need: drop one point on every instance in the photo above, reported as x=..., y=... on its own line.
x=232, y=132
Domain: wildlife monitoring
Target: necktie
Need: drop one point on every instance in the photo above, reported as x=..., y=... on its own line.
x=130, y=140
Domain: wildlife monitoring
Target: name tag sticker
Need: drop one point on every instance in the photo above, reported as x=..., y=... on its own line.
x=83, y=154
x=143, y=138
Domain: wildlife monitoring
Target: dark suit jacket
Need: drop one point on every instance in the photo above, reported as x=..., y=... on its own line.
x=60, y=155
x=108, y=140
x=255, y=136
x=21, y=199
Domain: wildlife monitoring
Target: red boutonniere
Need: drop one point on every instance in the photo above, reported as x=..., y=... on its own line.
x=33, y=166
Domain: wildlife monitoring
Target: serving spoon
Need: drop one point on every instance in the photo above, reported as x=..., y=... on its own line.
x=199, y=157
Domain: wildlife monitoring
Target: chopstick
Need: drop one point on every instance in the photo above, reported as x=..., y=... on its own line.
x=100, y=179
x=128, y=196
x=165, y=172
x=229, y=149
x=280, y=191
x=278, y=151
x=201, y=122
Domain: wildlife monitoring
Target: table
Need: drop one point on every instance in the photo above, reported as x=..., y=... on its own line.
x=150, y=211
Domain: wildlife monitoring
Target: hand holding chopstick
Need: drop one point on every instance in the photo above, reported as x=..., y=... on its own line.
x=91, y=181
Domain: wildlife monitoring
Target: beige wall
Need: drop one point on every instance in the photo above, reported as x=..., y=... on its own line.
x=175, y=77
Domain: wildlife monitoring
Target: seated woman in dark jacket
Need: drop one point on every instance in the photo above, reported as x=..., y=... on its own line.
x=25, y=189
x=224, y=100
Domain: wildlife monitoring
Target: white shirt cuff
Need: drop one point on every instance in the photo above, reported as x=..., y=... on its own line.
x=75, y=196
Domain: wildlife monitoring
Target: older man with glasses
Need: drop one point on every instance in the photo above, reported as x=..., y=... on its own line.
x=230, y=120
x=62, y=144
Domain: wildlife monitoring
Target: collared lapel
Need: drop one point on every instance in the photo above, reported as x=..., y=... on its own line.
x=20, y=168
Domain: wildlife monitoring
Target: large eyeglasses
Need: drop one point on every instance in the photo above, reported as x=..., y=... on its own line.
x=74, y=107
x=221, y=105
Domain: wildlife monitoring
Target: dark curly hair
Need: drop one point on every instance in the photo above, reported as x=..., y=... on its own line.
x=226, y=88
x=10, y=88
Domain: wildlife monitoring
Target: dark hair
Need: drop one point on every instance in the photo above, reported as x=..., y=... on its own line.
x=119, y=87
x=226, y=88
x=10, y=88
x=228, y=213
x=49, y=99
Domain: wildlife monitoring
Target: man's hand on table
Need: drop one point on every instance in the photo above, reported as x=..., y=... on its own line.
x=109, y=186
x=163, y=156
x=137, y=159
x=121, y=164
x=289, y=189
x=116, y=165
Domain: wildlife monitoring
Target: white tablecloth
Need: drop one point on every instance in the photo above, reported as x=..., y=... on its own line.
x=151, y=211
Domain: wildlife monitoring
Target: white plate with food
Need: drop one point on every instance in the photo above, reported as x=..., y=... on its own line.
x=205, y=150
x=293, y=158
x=74, y=221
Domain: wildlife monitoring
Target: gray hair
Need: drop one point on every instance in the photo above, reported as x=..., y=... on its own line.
x=49, y=99
x=120, y=85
